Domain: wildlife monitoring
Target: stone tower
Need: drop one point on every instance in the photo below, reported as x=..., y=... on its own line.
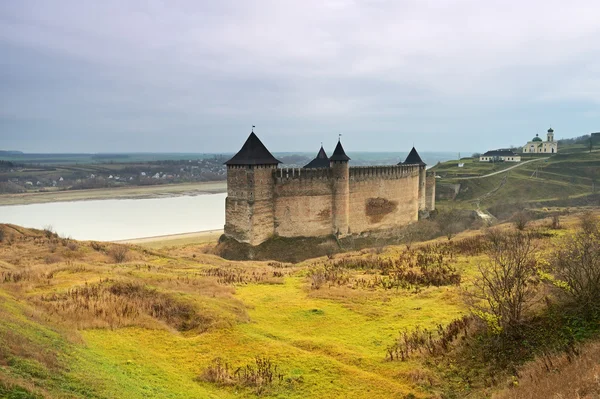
x=249, y=207
x=340, y=174
x=550, y=135
x=414, y=158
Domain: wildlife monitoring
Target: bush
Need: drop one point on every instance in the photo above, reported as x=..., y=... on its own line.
x=506, y=285
x=260, y=375
x=317, y=278
x=577, y=266
x=555, y=223
x=521, y=219
x=450, y=223
x=118, y=253
x=96, y=246
x=49, y=232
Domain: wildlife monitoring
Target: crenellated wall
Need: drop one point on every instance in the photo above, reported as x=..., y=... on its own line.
x=383, y=197
x=263, y=201
x=303, y=202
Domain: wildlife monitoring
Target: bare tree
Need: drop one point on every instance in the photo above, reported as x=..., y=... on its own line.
x=521, y=219
x=449, y=223
x=505, y=287
x=577, y=266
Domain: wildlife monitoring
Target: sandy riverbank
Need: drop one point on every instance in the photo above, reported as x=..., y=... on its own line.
x=138, y=192
x=199, y=237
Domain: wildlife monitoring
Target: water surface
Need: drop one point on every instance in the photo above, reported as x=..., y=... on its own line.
x=111, y=220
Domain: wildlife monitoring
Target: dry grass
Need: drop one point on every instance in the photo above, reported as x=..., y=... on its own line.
x=120, y=303
x=563, y=376
x=237, y=311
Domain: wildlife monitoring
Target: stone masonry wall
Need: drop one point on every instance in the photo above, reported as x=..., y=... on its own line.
x=430, y=192
x=303, y=202
x=249, y=212
x=422, y=188
x=262, y=201
x=383, y=197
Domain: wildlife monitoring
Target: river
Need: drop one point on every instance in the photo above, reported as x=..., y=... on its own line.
x=112, y=220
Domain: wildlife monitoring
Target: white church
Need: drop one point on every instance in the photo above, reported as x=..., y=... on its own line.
x=538, y=146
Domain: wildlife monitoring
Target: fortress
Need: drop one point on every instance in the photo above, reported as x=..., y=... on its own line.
x=326, y=197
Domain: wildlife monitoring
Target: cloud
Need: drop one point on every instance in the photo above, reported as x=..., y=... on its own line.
x=447, y=74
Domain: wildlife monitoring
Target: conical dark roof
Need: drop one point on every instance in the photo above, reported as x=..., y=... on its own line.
x=253, y=152
x=339, y=154
x=321, y=161
x=413, y=158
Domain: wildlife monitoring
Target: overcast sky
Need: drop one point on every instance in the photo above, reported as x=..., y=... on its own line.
x=194, y=76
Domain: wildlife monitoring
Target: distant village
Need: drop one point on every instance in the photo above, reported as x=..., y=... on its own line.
x=17, y=178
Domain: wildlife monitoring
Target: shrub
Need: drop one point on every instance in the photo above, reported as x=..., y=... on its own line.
x=449, y=223
x=96, y=246
x=118, y=253
x=2, y=235
x=53, y=259
x=49, y=232
x=506, y=285
x=333, y=273
x=258, y=375
x=434, y=343
x=555, y=223
x=520, y=220
x=317, y=278
x=577, y=266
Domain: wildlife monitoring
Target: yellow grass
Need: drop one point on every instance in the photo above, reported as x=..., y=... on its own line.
x=327, y=343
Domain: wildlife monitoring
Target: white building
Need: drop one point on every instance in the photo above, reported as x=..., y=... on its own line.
x=500, y=156
x=538, y=146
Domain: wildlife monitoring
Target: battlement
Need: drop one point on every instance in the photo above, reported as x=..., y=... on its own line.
x=286, y=174
x=384, y=172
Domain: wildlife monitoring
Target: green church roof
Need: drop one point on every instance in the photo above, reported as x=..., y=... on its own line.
x=537, y=138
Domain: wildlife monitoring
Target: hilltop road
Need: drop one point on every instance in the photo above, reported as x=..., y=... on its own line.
x=500, y=171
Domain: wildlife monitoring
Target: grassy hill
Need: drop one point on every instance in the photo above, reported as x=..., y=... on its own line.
x=100, y=320
x=562, y=176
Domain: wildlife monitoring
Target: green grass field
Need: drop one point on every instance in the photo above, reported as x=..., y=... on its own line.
x=326, y=343
x=76, y=323
x=561, y=176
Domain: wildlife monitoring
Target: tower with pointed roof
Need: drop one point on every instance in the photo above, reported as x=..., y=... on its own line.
x=325, y=198
x=340, y=175
x=320, y=161
x=414, y=158
x=249, y=215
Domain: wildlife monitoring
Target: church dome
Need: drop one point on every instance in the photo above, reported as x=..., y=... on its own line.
x=537, y=138
x=550, y=130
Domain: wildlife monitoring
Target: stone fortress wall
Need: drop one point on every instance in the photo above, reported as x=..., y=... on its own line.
x=326, y=197
x=263, y=201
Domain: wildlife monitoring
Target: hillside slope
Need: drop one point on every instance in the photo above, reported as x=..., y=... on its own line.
x=558, y=177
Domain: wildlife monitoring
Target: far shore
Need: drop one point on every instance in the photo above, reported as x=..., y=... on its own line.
x=136, y=192
x=198, y=237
